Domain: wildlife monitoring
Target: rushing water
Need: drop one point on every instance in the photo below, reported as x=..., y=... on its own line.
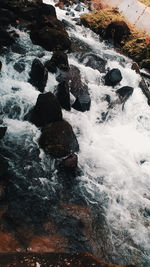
x=114, y=155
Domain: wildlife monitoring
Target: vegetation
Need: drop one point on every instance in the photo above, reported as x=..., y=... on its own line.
x=136, y=45
x=146, y=2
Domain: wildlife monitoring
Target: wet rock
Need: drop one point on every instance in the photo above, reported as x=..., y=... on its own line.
x=124, y=92
x=63, y=95
x=94, y=61
x=73, y=78
x=78, y=8
x=19, y=66
x=118, y=31
x=70, y=162
x=47, y=10
x=58, y=60
x=82, y=103
x=51, y=66
x=113, y=77
x=38, y=75
x=2, y=132
x=52, y=36
x=58, y=139
x=46, y=110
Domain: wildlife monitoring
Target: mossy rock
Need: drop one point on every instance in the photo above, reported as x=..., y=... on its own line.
x=99, y=20
x=58, y=139
x=133, y=43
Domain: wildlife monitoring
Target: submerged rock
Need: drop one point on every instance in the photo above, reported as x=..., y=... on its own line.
x=19, y=66
x=38, y=75
x=94, y=61
x=113, y=77
x=46, y=110
x=58, y=139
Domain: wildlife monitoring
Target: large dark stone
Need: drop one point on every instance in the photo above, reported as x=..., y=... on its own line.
x=47, y=10
x=58, y=60
x=113, y=77
x=38, y=75
x=83, y=102
x=94, y=61
x=58, y=139
x=51, y=37
x=46, y=110
x=63, y=95
x=117, y=30
x=124, y=92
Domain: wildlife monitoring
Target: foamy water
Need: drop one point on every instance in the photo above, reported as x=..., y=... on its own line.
x=114, y=155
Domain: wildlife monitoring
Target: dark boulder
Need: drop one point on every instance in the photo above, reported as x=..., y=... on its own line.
x=38, y=75
x=46, y=110
x=58, y=139
x=19, y=66
x=58, y=60
x=117, y=30
x=77, y=88
x=6, y=38
x=63, y=95
x=47, y=10
x=82, y=103
x=73, y=78
x=2, y=132
x=124, y=92
x=0, y=65
x=51, y=36
x=30, y=13
x=94, y=61
x=113, y=77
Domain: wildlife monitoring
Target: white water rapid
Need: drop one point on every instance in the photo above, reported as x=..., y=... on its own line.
x=114, y=155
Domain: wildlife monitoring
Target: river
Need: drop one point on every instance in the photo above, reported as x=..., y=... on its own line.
x=114, y=154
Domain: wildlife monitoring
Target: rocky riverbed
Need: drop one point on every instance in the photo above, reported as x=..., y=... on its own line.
x=72, y=117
